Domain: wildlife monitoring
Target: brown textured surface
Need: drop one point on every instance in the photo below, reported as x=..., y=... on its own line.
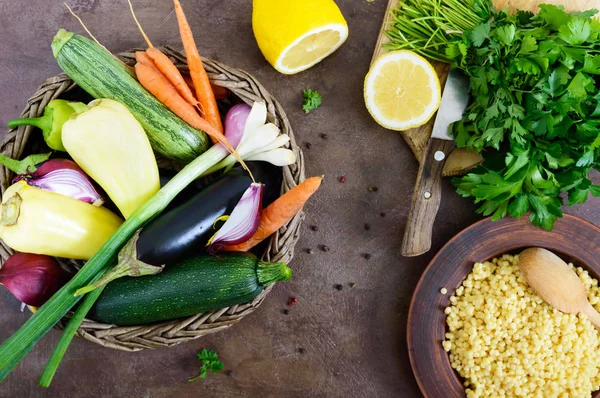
x=573, y=238
x=354, y=339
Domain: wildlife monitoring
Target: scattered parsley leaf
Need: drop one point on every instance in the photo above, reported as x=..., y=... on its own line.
x=555, y=16
x=312, y=100
x=595, y=190
x=506, y=34
x=480, y=33
x=210, y=361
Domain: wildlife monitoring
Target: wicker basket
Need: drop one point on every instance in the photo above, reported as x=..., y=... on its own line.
x=20, y=142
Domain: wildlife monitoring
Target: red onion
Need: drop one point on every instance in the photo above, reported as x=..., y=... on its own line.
x=243, y=221
x=235, y=123
x=33, y=278
x=63, y=176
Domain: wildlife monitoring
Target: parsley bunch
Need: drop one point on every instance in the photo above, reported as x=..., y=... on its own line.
x=535, y=111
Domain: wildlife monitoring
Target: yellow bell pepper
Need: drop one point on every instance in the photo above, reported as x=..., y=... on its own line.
x=111, y=146
x=43, y=222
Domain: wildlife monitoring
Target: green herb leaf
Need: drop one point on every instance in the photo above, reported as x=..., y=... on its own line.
x=576, y=31
x=210, y=361
x=595, y=190
x=480, y=33
x=506, y=34
x=312, y=100
x=555, y=16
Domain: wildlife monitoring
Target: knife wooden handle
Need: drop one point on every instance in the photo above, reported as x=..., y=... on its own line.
x=426, y=198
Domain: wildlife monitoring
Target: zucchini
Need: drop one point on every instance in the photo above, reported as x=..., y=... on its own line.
x=195, y=285
x=95, y=70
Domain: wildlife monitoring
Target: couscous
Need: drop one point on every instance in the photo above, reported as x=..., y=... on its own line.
x=505, y=341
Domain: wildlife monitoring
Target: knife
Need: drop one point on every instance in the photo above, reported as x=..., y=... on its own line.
x=428, y=189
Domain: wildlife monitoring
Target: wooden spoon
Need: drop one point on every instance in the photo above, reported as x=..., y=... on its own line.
x=556, y=283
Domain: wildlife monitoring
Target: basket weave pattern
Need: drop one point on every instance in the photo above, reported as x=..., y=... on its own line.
x=20, y=142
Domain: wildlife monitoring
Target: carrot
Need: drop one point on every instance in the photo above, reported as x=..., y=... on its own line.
x=220, y=92
x=142, y=58
x=204, y=91
x=170, y=71
x=280, y=212
x=163, y=90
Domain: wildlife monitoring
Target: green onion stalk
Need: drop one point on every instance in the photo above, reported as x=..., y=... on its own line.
x=23, y=340
x=427, y=26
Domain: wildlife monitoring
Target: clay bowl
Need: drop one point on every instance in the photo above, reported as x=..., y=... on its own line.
x=573, y=239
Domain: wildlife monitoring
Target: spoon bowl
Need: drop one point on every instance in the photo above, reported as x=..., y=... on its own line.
x=556, y=283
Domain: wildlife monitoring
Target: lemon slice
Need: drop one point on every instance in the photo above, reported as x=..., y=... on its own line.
x=402, y=90
x=311, y=48
x=294, y=35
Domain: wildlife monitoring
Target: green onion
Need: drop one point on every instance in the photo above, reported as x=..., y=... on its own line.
x=23, y=340
x=67, y=336
x=427, y=26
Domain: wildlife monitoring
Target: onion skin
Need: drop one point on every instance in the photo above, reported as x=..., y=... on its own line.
x=63, y=176
x=33, y=278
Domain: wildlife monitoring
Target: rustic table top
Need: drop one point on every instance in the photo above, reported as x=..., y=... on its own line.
x=348, y=343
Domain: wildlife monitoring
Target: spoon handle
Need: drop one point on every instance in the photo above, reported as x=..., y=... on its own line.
x=592, y=315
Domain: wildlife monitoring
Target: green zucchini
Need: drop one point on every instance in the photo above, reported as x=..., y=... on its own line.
x=198, y=284
x=95, y=70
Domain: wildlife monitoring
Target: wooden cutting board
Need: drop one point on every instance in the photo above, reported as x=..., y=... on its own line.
x=461, y=160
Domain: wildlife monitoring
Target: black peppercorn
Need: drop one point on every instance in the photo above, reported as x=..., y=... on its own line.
x=339, y=286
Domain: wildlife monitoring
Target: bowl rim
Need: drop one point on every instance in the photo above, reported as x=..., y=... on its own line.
x=510, y=222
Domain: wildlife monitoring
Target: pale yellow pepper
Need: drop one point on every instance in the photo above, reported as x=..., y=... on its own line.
x=43, y=222
x=111, y=146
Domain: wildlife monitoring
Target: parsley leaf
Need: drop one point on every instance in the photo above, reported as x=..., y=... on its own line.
x=312, y=100
x=210, y=361
x=576, y=31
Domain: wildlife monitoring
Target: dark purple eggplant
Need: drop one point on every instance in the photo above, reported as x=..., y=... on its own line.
x=185, y=229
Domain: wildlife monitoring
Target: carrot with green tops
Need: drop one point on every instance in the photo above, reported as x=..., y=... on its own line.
x=279, y=212
x=204, y=92
x=170, y=71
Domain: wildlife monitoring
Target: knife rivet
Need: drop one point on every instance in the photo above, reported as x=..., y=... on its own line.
x=427, y=195
x=439, y=156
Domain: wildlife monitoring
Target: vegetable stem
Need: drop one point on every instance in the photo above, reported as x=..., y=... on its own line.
x=61, y=348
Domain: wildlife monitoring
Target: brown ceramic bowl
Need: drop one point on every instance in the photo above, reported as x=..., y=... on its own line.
x=573, y=238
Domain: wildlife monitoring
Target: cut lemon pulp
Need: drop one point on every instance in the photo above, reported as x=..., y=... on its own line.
x=402, y=90
x=294, y=35
x=311, y=48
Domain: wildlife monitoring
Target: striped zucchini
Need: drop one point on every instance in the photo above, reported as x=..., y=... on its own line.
x=96, y=71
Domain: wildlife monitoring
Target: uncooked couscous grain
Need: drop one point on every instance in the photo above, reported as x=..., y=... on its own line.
x=505, y=341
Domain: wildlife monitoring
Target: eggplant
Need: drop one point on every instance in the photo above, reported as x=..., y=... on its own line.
x=185, y=229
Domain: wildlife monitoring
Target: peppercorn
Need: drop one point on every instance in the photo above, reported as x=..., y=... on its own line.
x=325, y=248
x=314, y=228
x=366, y=256
x=342, y=179
x=339, y=286
x=308, y=145
x=292, y=301
x=382, y=214
x=286, y=311
x=301, y=350
x=367, y=227
x=229, y=373
x=324, y=136
x=373, y=189
x=309, y=251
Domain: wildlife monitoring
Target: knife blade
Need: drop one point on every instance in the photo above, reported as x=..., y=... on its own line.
x=428, y=188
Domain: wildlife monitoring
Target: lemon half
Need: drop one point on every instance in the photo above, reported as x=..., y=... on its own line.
x=402, y=90
x=294, y=35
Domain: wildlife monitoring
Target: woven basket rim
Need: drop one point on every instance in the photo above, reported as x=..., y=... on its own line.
x=280, y=247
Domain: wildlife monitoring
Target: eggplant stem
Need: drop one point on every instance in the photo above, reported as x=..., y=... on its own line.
x=128, y=265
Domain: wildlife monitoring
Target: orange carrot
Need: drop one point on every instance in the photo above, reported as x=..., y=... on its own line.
x=164, y=91
x=204, y=92
x=142, y=58
x=220, y=92
x=170, y=71
x=280, y=212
